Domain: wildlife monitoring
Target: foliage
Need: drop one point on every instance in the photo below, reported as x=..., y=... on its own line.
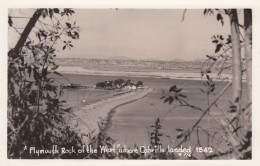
x=35, y=113
x=155, y=134
x=173, y=95
x=221, y=59
x=102, y=139
x=228, y=124
x=117, y=84
x=235, y=122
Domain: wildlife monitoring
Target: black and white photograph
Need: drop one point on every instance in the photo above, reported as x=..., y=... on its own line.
x=129, y=83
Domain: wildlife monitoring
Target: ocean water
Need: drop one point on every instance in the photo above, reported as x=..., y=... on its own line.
x=130, y=124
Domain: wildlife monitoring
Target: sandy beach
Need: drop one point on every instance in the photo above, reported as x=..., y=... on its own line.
x=87, y=117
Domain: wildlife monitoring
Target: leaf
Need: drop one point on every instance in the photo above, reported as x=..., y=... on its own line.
x=228, y=39
x=57, y=73
x=179, y=136
x=56, y=10
x=29, y=70
x=173, y=88
x=233, y=109
x=205, y=11
x=44, y=72
x=162, y=97
x=39, y=37
x=237, y=99
x=215, y=41
x=218, y=48
x=170, y=100
x=68, y=25
x=233, y=106
x=207, y=77
x=220, y=18
x=64, y=47
x=179, y=129
x=166, y=100
x=182, y=95
x=10, y=21
x=226, y=11
x=202, y=90
x=43, y=34
x=178, y=90
x=55, y=67
x=35, y=74
x=44, y=14
x=27, y=43
x=50, y=13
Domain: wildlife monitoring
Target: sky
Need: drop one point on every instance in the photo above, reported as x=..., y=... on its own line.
x=142, y=34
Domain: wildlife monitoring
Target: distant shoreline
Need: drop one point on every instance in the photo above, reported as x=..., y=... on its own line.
x=152, y=74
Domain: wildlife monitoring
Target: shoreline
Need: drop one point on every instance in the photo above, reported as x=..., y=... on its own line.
x=153, y=74
x=87, y=118
x=113, y=111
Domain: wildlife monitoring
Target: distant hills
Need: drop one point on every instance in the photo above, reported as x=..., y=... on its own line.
x=117, y=58
x=120, y=62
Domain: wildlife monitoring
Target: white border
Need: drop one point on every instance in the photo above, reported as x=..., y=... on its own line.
x=174, y=4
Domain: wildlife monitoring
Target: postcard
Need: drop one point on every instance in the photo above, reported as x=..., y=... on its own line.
x=130, y=83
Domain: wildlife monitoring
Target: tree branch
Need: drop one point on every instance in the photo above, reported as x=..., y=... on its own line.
x=205, y=112
x=14, y=53
x=183, y=16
